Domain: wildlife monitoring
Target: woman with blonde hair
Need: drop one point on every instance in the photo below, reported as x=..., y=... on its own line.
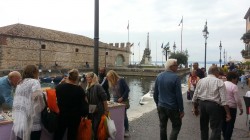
x=97, y=100
x=72, y=105
x=27, y=106
x=120, y=92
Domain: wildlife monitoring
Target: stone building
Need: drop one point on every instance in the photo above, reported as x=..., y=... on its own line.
x=21, y=45
x=246, y=38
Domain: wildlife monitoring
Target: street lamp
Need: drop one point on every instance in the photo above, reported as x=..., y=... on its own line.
x=106, y=53
x=165, y=50
x=220, y=53
x=205, y=34
x=174, y=47
x=224, y=57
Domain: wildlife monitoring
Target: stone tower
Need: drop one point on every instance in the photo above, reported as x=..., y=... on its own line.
x=146, y=58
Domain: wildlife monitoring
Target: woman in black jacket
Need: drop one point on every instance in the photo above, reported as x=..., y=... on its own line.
x=72, y=104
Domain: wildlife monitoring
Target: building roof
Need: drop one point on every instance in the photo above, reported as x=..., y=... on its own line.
x=247, y=14
x=21, y=30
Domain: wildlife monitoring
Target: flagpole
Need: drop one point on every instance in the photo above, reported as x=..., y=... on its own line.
x=139, y=52
x=156, y=54
x=133, y=54
x=128, y=31
x=181, y=32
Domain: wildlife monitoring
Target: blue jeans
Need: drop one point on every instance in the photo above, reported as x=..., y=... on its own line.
x=126, y=125
x=174, y=116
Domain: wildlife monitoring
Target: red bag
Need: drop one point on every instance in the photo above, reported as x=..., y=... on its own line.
x=85, y=130
x=103, y=133
x=51, y=100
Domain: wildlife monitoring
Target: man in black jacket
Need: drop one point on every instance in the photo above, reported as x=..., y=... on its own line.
x=103, y=81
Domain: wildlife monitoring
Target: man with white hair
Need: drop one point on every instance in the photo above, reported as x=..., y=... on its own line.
x=7, y=84
x=168, y=99
x=210, y=97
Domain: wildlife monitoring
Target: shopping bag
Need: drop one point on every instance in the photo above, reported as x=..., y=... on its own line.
x=188, y=95
x=102, y=132
x=49, y=118
x=111, y=128
x=85, y=130
x=52, y=101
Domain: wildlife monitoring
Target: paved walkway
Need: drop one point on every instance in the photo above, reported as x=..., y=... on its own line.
x=146, y=127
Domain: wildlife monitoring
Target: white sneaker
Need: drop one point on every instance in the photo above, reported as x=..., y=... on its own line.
x=126, y=134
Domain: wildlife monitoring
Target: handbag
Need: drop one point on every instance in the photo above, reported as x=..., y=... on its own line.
x=126, y=102
x=85, y=130
x=111, y=128
x=49, y=118
x=188, y=95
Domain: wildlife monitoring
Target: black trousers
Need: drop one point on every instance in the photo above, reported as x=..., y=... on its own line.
x=34, y=135
x=210, y=113
x=228, y=127
x=71, y=124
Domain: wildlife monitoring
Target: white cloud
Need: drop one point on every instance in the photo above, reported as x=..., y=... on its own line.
x=158, y=17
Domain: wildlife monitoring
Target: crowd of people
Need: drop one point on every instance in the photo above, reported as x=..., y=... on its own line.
x=76, y=98
x=215, y=98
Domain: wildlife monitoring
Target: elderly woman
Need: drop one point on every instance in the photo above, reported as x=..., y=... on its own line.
x=71, y=102
x=120, y=91
x=27, y=106
x=97, y=100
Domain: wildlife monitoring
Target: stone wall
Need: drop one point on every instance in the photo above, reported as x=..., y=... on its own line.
x=21, y=45
x=19, y=52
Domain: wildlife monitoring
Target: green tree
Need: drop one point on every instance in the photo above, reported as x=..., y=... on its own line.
x=182, y=57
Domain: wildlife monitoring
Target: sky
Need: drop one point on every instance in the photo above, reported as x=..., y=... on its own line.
x=159, y=18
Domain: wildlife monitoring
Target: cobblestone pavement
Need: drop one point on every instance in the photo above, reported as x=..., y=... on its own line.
x=146, y=127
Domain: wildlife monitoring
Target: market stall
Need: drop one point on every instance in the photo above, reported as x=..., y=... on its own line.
x=116, y=113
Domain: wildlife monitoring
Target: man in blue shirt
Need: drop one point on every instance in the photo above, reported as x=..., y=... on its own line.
x=168, y=99
x=7, y=84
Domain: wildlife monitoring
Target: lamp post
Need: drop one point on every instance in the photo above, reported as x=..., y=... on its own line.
x=174, y=47
x=40, y=58
x=106, y=53
x=224, y=57
x=220, y=53
x=205, y=34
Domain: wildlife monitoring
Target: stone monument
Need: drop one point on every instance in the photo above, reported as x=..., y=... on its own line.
x=146, y=58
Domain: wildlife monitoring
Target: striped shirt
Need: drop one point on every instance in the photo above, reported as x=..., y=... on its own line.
x=212, y=89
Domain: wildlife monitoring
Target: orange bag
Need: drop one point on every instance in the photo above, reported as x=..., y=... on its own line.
x=85, y=130
x=51, y=100
x=103, y=133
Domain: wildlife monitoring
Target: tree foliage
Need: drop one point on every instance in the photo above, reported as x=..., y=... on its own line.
x=182, y=57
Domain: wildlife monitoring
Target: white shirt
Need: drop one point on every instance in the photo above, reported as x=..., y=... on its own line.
x=212, y=89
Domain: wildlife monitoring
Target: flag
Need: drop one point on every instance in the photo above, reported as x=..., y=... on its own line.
x=167, y=45
x=139, y=44
x=181, y=21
